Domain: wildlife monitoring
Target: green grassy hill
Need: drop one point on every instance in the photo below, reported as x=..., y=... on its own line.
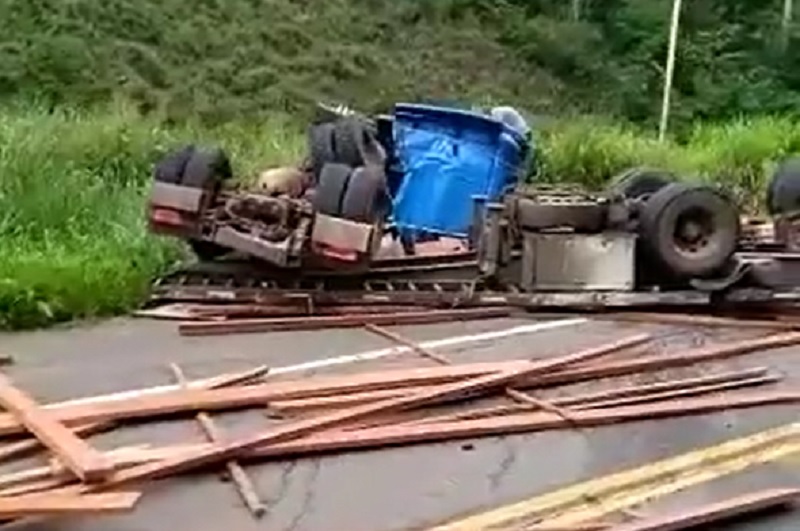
x=218, y=59
x=225, y=58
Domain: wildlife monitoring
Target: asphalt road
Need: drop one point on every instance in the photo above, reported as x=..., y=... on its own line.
x=388, y=490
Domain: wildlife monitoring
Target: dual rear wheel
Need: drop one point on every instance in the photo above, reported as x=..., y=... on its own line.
x=686, y=230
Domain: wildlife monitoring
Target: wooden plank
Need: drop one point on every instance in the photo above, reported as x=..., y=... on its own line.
x=48, y=478
x=176, y=401
x=346, y=400
x=713, y=353
x=424, y=432
x=517, y=396
x=716, y=513
x=589, y=401
x=244, y=486
x=340, y=440
x=297, y=429
x=49, y=504
x=13, y=450
x=86, y=462
x=682, y=393
x=21, y=448
x=232, y=398
x=242, y=326
x=224, y=380
x=658, y=363
x=696, y=320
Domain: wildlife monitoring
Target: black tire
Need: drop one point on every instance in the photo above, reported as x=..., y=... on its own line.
x=207, y=169
x=783, y=191
x=365, y=199
x=330, y=190
x=351, y=140
x=635, y=183
x=320, y=147
x=207, y=251
x=691, y=231
x=170, y=169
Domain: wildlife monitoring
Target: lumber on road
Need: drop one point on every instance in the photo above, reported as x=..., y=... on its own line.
x=53, y=504
x=149, y=405
x=717, y=512
x=242, y=326
x=658, y=363
x=24, y=447
x=373, y=438
x=83, y=460
x=21, y=448
x=347, y=400
x=424, y=432
x=299, y=428
x=338, y=383
x=244, y=486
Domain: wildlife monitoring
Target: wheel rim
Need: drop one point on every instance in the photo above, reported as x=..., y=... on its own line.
x=694, y=232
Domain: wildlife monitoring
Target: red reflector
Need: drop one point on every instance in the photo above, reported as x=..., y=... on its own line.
x=345, y=255
x=166, y=216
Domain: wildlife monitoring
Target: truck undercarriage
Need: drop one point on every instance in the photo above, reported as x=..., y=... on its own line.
x=647, y=240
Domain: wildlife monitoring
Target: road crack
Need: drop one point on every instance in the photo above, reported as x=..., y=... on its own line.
x=308, y=498
x=496, y=478
x=283, y=485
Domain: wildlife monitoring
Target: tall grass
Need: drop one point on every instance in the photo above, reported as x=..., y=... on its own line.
x=73, y=241
x=739, y=155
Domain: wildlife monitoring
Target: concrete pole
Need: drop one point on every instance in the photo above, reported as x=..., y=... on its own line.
x=670, y=69
x=788, y=8
x=576, y=10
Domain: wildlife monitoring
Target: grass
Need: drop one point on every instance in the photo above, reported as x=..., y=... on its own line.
x=73, y=241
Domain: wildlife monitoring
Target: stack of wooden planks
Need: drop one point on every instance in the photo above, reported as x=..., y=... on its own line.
x=362, y=411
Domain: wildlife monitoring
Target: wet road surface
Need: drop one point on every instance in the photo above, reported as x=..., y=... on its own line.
x=394, y=489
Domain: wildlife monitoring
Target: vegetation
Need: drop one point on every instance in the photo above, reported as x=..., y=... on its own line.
x=117, y=83
x=72, y=230
x=221, y=59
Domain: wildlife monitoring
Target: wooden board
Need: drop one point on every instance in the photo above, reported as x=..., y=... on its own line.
x=715, y=513
x=297, y=429
x=86, y=462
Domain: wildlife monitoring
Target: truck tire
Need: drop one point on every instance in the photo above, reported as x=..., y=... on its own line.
x=365, y=199
x=170, y=169
x=207, y=169
x=783, y=190
x=320, y=147
x=351, y=139
x=331, y=188
x=691, y=231
x=638, y=182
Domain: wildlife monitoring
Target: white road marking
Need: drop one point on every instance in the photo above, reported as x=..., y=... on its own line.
x=346, y=359
x=436, y=343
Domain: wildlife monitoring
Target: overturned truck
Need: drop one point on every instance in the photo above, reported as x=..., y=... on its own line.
x=647, y=239
x=327, y=215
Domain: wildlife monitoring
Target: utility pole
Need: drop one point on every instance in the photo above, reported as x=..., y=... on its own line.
x=788, y=8
x=669, y=71
x=576, y=10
